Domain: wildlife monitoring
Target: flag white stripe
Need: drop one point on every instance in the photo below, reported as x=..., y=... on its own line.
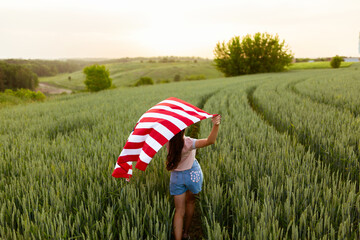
x=164, y=131
x=137, y=138
x=153, y=143
x=180, y=124
x=185, y=107
x=144, y=157
x=126, y=152
x=146, y=125
x=180, y=112
x=117, y=166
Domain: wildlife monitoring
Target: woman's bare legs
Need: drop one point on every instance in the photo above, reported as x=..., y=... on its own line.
x=184, y=206
x=179, y=214
x=189, y=211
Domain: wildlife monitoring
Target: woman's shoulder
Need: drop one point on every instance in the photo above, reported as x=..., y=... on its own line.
x=189, y=139
x=189, y=142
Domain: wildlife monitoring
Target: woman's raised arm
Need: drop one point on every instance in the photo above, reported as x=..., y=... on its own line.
x=200, y=143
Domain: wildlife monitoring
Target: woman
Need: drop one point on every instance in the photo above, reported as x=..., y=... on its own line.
x=186, y=176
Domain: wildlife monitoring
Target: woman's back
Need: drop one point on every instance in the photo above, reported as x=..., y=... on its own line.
x=188, y=153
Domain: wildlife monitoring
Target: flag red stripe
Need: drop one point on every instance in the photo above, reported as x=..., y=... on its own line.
x=127, y=158
x=141, y=165
x=149, y=150
x=142, y=131
x=121, y=170
x=117, y=173
x=124, y=167
x=158, y=137
x=169, y=125
x=133, y=145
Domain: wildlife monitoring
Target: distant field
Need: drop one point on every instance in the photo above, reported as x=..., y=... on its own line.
x=315, y=65
x=126, y=74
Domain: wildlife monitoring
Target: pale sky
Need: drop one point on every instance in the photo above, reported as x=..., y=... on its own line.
x=116, y=28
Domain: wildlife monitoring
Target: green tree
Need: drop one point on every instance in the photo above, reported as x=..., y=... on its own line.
x=15, y=76
x=252, y=54
x=97, y=78
x=336, y=61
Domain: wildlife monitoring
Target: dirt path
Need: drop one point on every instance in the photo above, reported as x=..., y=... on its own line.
x=47, y=88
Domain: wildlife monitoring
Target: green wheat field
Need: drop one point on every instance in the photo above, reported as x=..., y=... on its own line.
x=285, y=165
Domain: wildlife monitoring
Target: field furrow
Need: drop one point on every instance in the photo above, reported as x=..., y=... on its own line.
x=261, y=184
x=338, y=88
x=327, y=131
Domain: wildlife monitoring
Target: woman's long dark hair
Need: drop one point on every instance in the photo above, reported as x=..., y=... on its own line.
x=176, y=145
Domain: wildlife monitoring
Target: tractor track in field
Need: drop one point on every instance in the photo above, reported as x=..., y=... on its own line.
x=314, y=148
x=292, y=87
x=195, y=231
x=354, y=114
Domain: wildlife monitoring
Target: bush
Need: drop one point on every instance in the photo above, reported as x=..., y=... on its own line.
x=164, y=81
x=97, y=78
x=6, y=99
x=196, y=77
x=144, y=81
x=336, y=62
x=26, y=94
x=252, y=54
x=39, y=96
x=177, y=78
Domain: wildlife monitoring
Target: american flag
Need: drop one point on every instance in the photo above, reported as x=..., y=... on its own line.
x=155, y=128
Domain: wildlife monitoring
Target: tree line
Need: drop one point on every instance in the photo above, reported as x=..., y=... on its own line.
x=14, y=76
x=21, y=73
x=44, y=68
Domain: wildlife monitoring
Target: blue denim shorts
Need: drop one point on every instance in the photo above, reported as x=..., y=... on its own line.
x=191, y=179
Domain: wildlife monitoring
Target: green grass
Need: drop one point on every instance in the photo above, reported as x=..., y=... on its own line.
x=126, y=74
x=285, y=164
x=21, y=96
x=316, y=65
x=8, y=100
